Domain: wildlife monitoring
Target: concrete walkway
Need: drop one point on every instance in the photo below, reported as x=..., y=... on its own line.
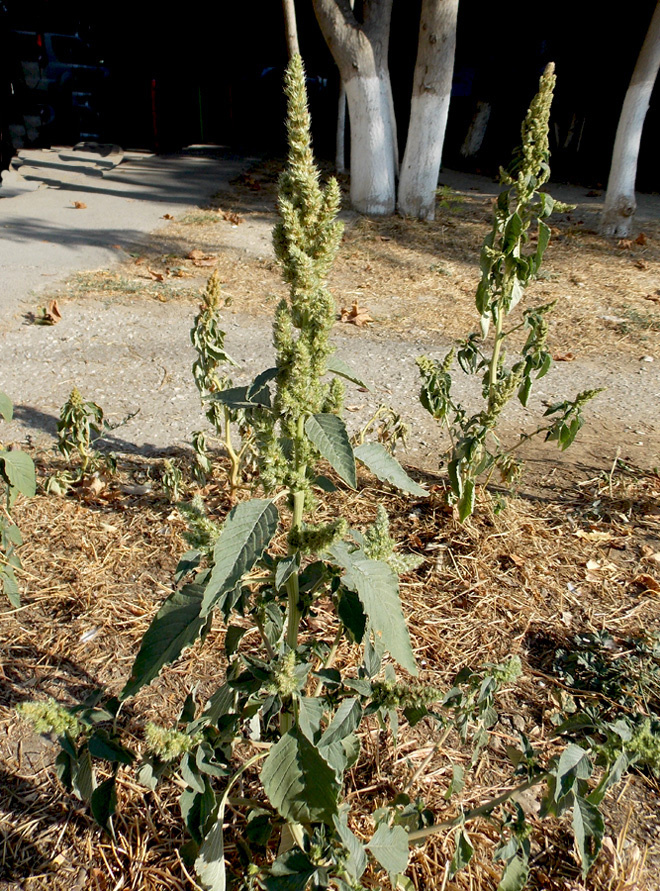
x=45, y=237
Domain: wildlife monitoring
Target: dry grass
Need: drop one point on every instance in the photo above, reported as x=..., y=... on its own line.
x=522, y=580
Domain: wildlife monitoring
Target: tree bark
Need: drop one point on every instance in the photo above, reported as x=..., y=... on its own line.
x=340, y=146
x=429, y=109
x=290, y=28
x=620, y=204
x=360, y=52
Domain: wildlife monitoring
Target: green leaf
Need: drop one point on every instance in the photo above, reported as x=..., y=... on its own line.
x=512, y=233
x=210, y=862
x=19, y=469
x=352, y=614
x=104, y=803
x=299, y=782
x=310, y=714
x=242, y=397
x=389, y=846
x=10, y=586
x=467, y=500
x=177, y=626
x=6, y=408
x=515, y=875
x=101, y=746
x=462, y=854
x=573, y=764
x=285, y=569
x=290, y=872
x=337, y=366
x=82, y=776
x=233, y=638
x=377, y=586
x=345, y=720
x=328, y=433
x=589, y=828
x=245, y=535
x=383, y=465
x=356, y=862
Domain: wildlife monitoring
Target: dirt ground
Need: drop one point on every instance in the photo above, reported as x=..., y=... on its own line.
x=574, y=553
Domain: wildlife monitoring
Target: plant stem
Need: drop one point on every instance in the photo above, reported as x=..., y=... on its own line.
x=330, y=658
x=293, y=593
x=425, y=763
x=495, y=358
x=233, y=457
x=421, y=834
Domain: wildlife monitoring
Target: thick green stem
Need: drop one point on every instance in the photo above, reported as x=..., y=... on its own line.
x=293, y=594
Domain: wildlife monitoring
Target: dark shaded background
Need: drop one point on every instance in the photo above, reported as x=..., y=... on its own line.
x=217, y=70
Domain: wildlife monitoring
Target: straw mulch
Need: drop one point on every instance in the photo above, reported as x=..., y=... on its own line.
x=524, y=579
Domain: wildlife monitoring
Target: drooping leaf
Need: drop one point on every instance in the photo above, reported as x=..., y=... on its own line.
x=310, y=715
x=103, y=803
x=515, y=875
x=177, y=625
x=233, y=638
x=377, y=586
x=285, y=569
x=210, y=862
x=383, y=465
x=462, y=854
x=328, y=433
x=356, y=862
x=242, y=397
x=245, y=535
x=19, y=469
x=337, y=366
x=467, y=500
x=589, y=828
x=10, y=586
x=82, y=776
x=299, y=782
x=389, y=846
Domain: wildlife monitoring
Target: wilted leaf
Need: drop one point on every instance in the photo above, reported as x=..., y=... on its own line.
x=79, y=205
x=168, y=216
x=647, y=582
x=355, y=315
x=641, y=239
x=564, y=357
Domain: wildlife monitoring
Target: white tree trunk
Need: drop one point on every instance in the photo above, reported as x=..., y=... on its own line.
x=476, y=133
x=372, y=141
x=620, y=204
x=429, y=109
x=340, y=146
x=360, y=51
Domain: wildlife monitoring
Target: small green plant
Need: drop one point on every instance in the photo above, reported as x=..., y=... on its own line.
x=171, y=480
x=449, y=199
x=80, y=425
x=510, y=259
x=16, y=476
x=216, y=390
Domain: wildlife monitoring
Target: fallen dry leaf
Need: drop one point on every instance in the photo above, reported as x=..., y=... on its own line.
x=205, y=261
x=195, y=254
x=624, y=243
x=168, y=216
x=641, y=238
x=596, y=535
x=654, y=298
x=156, y=276
x=79, y=205
x=647, y=582
x=49, y=315
x=641, y=264
x=564, y=357
x=232, y=217
x=355, y=315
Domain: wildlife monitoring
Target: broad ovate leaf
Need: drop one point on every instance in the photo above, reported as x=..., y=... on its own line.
x=328, y=433
x=19, y=470
x=177, y=625
x=377, y=586
x=383, y=465
x=245, y=535
x=389, y=846
x=299, y=782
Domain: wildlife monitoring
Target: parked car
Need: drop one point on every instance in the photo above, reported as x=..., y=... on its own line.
x=58, y=85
